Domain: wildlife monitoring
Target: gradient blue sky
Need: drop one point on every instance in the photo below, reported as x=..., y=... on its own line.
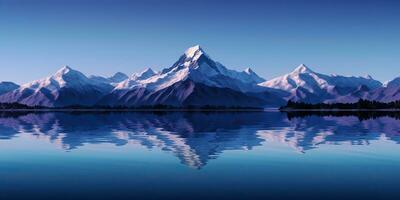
x=273, y=37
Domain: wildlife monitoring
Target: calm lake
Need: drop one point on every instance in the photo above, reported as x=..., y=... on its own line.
x=198, y=155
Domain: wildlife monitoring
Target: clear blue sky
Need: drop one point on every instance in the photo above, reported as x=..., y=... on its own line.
x=273, y=37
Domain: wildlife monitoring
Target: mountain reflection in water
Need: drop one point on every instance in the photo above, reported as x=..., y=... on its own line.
x=197, y=137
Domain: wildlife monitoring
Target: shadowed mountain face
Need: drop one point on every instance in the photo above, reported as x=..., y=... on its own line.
x=196, y=138
x=187, y=93
x=195, y=79
x=7, y=87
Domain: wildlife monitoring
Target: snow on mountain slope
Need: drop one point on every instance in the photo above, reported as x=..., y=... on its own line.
x=196, y=79
x=65, y=77
x=7, y=87
x=66, y=87
x=362, y=92
x=147, y=73
x=393, y=83
x=113, y=80
x=389, y=92
x=135, y=80
x=307, y=85
x=183, y=93
x=118, y=77
x=203, y=74
x=248, y=75
x=197, y=66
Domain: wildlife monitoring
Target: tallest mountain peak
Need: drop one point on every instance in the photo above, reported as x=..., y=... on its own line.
x=194, y=51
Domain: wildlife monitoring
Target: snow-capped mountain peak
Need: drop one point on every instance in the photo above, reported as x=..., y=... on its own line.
x=301, y=76
x=67, y=76
x=68, y=72
x=112, y=80
x=145, y=74
x=64, y=77
x=197, y=66
x=250, y=76
x=192, y=57
x=302, y=68
x=307, y=85
x=194, y=52
x=148, y=71
x=65, y=69
x=66, y=87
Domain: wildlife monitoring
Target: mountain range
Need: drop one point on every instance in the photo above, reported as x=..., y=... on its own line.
x=195, y=79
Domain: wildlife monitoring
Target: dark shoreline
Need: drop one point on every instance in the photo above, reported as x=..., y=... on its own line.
x=338, y=110
x=193, y=110
x=360, y=105
x=361, y=114
x=132, y=110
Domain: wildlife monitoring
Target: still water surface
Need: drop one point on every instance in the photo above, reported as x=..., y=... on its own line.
x=184, y=155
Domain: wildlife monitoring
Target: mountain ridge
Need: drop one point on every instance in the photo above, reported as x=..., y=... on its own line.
x=196, y=79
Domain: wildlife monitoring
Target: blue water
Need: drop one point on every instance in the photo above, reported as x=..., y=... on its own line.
x=193, y=155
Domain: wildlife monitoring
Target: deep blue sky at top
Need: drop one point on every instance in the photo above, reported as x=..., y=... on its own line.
x=101, y=37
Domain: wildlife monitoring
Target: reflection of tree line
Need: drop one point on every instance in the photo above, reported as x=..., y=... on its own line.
x=196, y=137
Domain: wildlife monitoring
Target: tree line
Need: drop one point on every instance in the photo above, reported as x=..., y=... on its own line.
x=361, y=104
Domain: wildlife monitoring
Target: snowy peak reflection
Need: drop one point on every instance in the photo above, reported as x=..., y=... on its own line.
x=195, y=138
